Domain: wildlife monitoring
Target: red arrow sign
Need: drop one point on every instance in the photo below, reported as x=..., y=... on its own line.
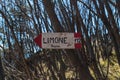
x=59, y=40
x=38, y=40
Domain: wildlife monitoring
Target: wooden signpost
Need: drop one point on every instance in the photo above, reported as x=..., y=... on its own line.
x=59, y=40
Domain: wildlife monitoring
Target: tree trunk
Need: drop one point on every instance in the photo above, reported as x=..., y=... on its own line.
x=1, y=71
x=83, y=69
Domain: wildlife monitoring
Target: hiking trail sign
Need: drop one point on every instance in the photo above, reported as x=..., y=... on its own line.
x=59, y=40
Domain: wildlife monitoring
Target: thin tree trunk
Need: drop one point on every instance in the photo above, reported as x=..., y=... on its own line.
x=53, y=17
x=2, y=75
